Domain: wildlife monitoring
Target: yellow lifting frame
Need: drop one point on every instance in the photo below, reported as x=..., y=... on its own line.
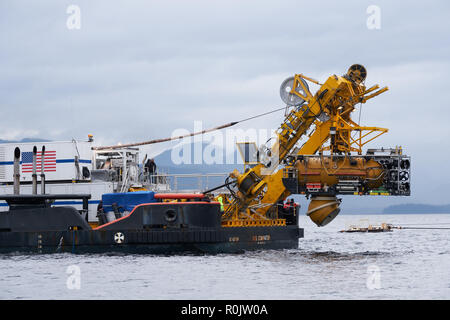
x=348, y=126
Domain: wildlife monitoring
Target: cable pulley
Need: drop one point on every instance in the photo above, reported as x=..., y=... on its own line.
x=289, y=98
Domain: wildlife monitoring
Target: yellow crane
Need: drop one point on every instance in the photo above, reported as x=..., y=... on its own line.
x=338, y=168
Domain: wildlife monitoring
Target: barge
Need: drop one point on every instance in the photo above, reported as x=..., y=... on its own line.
x=126, y=215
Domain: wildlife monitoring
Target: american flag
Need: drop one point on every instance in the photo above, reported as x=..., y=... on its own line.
x=49, y=163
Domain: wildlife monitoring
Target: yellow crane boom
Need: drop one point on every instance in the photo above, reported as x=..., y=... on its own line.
x=326, y=116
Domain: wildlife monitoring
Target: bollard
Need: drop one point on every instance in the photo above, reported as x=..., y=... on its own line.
x=42, y=170
x=34, y=175
x=16, y=170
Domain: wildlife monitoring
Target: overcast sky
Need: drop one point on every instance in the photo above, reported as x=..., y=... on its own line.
x=137, y=70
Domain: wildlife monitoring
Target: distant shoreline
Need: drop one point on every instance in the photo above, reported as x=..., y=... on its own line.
x=411, y=208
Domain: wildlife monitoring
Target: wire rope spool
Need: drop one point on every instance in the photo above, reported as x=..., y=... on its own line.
x=289, y=98
x=357, y=73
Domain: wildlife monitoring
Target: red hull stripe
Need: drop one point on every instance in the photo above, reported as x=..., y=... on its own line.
x=178, y=195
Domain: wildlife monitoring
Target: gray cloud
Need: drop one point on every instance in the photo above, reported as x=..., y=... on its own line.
x=140, y=69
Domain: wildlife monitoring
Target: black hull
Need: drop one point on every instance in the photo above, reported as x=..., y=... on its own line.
x=33, y=226
x=207, y=240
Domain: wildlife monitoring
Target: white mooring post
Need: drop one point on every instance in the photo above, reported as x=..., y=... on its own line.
x=34, y=175
x=16, y=170
x=42, y=170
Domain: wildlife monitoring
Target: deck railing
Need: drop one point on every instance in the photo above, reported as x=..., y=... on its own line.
x=187, y=182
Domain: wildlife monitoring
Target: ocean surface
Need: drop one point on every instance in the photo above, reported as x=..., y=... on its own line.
x=403, y=264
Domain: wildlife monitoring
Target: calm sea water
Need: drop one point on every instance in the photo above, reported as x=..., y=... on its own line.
x=403, y=264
